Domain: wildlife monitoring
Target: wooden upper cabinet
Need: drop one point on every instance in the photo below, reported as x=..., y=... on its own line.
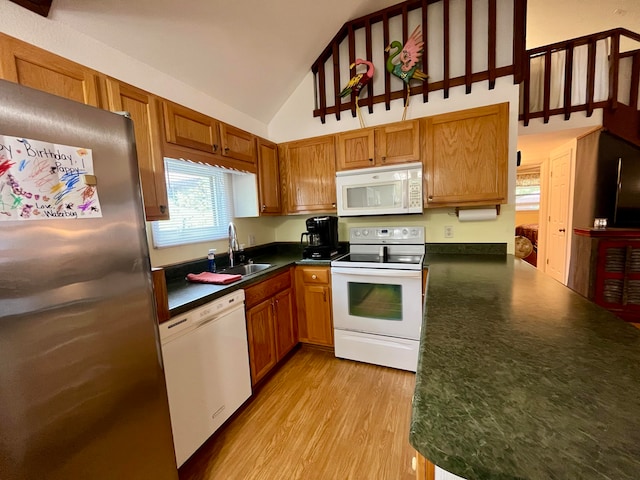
x=309, y=175
x=355, y=149
x=268, y=178
x=386, y=145
x=237, y=143
x=36, y=68
x=144, y=109
x=398, y=143
x=188, y=128
x=466, y=157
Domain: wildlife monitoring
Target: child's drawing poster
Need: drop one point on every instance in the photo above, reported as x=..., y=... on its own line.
x=40, y=181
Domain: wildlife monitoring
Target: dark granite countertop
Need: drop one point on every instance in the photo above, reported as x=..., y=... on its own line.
x=184, y=296
x=520, y=377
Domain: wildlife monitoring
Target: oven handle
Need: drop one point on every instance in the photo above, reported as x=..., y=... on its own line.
x=376, y=272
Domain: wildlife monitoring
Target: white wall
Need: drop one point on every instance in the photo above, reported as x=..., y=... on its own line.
x=295, y=121
x=62, y=40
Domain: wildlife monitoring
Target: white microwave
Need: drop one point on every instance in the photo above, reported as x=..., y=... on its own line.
x=388, y=190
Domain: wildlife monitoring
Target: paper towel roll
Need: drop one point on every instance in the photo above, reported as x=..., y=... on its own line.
x=477, y=214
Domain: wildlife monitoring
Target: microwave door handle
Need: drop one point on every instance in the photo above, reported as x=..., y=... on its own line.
x=405, y=193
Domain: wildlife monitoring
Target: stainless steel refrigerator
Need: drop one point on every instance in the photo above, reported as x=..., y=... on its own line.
x=82, y=389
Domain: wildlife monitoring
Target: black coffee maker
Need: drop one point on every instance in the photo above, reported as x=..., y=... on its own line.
x=322, y=238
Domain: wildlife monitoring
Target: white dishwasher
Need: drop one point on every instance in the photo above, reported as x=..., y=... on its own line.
x=206, y=366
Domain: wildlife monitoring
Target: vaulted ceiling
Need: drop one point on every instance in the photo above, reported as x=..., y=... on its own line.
x=252, y=54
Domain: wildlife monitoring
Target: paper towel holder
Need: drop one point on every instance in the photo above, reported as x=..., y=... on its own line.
x=497, y=210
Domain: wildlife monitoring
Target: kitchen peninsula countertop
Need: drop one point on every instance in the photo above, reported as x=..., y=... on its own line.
x=520, y=377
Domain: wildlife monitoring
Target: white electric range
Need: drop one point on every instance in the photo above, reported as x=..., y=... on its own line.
x=377, y=296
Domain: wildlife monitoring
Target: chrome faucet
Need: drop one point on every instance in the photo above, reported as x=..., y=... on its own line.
x=233, y=243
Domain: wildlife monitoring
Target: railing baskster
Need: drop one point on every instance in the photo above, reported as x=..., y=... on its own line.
x=452, y=30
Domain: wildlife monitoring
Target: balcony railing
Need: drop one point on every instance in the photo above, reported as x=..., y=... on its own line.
x=464, y=44
x=581, y=74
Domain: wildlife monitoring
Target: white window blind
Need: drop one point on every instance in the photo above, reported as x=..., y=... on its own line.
x=200, y=204
x=528, y=191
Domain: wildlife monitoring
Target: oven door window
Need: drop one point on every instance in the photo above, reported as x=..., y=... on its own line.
x=375, y=301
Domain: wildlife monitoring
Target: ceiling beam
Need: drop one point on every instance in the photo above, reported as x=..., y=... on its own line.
x=41, y=7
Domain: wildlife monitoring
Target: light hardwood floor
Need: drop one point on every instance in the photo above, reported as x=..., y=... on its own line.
x=318, y=417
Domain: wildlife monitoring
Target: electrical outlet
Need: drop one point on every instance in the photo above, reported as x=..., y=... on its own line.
x=448, y=231
x=252, y=240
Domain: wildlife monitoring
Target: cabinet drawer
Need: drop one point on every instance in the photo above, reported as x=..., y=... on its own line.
x=316, y=275
x=257, y=293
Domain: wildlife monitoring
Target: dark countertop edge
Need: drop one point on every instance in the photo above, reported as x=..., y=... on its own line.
x=181, y=302
x=184, y=296
x=444, y=454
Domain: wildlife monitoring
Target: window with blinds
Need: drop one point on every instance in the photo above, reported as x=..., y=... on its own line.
x=200, y=202
x=528, y=191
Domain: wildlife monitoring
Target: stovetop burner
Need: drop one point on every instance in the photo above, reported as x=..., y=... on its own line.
x=400, y=248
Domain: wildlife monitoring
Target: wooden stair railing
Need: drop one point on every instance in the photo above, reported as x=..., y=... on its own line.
x=624, y=120
x=568, y=48
x=327, y=84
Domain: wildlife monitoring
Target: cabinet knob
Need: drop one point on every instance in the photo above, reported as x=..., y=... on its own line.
x=333, y=205
x=371, y=160
x=163, y=208
x=314, y=277
x=561, y=230
x=215, y=148
x=264, y=207
x=384, y=159
x=430, y=198
x=226, y=149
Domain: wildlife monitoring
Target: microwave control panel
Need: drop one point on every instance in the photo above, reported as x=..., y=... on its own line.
x=415, y=193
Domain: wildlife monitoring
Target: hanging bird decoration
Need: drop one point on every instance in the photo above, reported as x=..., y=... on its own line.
x=410, y=55
x=357, y=82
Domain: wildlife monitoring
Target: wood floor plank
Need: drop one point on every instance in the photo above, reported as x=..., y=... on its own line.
x=317, y=418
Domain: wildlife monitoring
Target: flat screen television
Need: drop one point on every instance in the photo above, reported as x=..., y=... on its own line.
x=627, y=210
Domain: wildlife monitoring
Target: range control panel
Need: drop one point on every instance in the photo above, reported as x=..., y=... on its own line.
x=387, y=235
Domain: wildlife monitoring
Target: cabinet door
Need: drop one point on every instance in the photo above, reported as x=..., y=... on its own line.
x=398, y=143
x=237, y=144
x=355, y=149
x=286, y=333
x=317, y=301
x=261, y=334
x=144, y=110
x=188, y=128
x=309, y=170
x=269, y=178
x=617, y=285
x=36, y=68
x=466, y=159
x=313, y=295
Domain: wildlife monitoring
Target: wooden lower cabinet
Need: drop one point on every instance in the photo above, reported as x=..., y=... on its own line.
x=425, y=470
x=313, y=301
x=271, y=327
x=262, y=343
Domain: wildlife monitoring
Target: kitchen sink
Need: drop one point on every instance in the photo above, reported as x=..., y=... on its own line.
x=246, y=269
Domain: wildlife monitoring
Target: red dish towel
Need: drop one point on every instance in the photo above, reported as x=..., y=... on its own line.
x=217, y=278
